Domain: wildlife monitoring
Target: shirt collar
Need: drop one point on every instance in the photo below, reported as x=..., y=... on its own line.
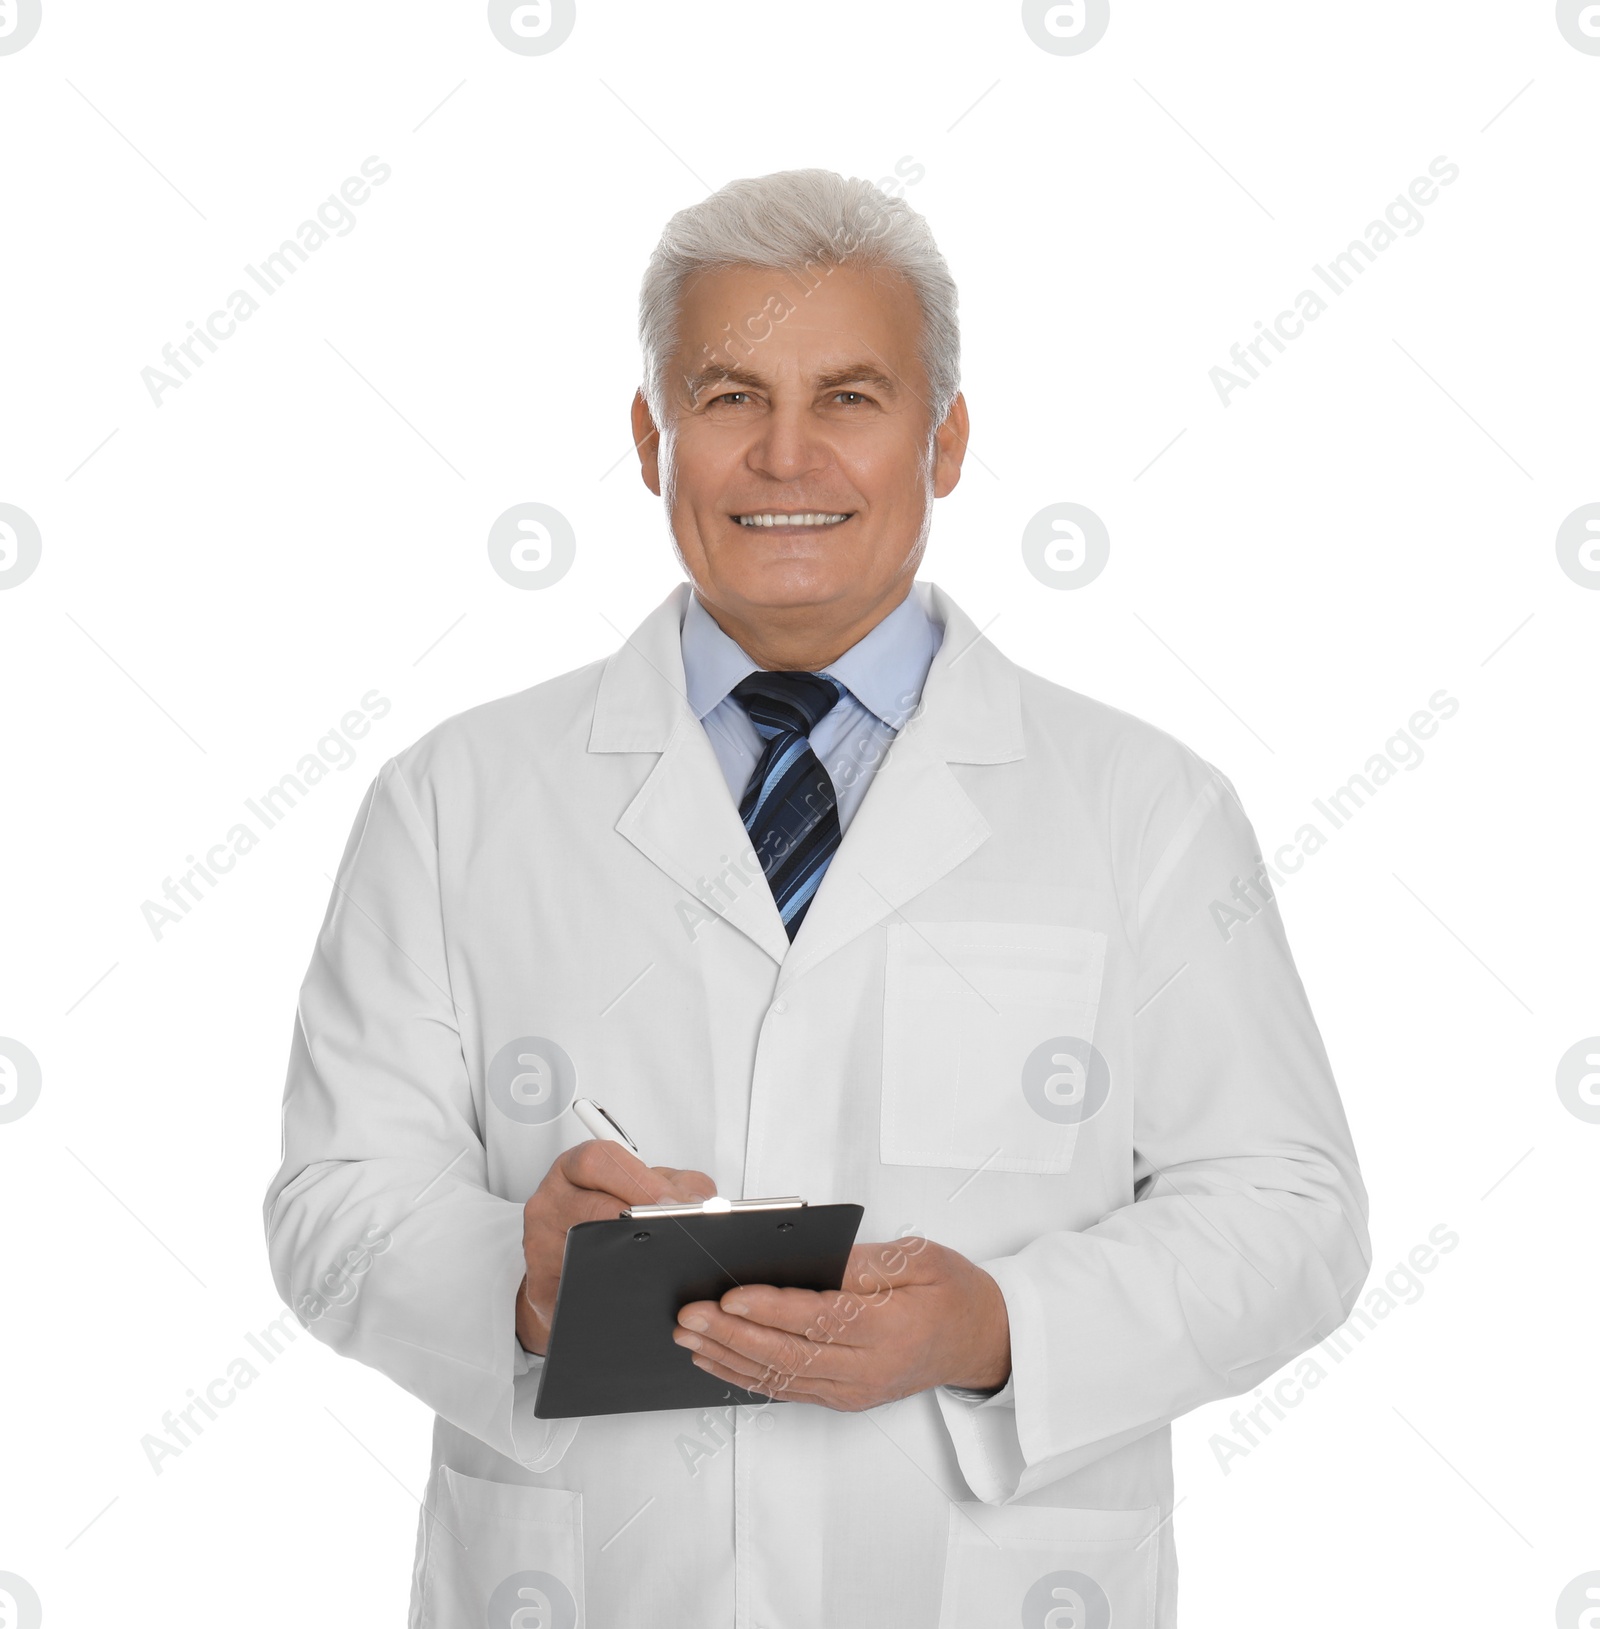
x=884, y=670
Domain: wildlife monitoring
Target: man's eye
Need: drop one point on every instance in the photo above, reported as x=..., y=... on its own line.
x=727, y=396
x=856, y=393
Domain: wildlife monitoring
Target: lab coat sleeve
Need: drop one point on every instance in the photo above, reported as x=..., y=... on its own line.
x=381, y=1230
x=1246, y=1242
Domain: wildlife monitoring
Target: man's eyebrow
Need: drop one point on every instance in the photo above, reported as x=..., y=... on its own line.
x=860, y=374
x=715, y=373
x=863, y=373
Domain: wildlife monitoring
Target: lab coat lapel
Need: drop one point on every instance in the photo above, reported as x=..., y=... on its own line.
x=682, y=819
x=916, y=822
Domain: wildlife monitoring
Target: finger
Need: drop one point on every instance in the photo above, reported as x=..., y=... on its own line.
x=690, y=1184
x=557, y=1206
x=776, y=1348
x=584, y=1205
x=732, y=1376
x=694, y=1185
x=827, y=1318
x=606, y=1167
x=749, y=1368
x=777, y=1388
x=835, y=1316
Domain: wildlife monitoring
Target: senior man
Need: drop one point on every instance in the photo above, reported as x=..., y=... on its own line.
x=819, y=894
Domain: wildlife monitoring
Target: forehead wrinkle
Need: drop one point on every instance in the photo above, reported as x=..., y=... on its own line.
x=863, y=373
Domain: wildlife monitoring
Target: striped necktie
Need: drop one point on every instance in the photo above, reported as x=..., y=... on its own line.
x=789, y=808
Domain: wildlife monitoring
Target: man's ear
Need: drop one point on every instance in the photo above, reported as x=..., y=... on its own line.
x=647, y=442
x=950, y=448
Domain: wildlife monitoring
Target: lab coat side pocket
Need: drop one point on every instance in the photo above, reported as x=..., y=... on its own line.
x=1050, y=1567
x=502, y=1554
x=988, y=1044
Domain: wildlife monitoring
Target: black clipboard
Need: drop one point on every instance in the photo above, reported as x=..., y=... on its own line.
x=611, y=1349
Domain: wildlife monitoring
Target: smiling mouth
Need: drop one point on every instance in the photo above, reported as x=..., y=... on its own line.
x=806, y=519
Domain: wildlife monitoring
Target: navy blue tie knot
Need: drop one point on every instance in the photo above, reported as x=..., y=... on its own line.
x=788, y=701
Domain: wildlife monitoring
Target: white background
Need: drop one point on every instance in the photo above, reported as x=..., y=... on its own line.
x=305, y=520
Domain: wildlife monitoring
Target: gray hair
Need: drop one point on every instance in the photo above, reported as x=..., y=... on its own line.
x=794, y=221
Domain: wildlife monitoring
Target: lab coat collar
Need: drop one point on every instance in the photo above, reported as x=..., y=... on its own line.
x=971, y=694
x=915, y=824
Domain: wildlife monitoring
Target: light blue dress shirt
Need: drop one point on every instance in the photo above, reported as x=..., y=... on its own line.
x=883, y=671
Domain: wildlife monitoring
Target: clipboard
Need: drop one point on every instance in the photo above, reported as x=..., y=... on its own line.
x=622, y=1281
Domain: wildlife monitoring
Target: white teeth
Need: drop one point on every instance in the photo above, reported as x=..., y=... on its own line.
x=790, y=520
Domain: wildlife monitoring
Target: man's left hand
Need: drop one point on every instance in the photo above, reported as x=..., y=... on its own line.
x=911, y=1315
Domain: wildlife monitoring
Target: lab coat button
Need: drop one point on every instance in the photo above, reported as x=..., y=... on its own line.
x=780, y=1006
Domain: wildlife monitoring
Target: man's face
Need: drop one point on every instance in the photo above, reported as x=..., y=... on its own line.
x=827, y=415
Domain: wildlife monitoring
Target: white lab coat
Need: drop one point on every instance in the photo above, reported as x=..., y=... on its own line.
x=1028, y=867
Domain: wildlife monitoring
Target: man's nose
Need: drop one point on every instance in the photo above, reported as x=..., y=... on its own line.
x=789, y=444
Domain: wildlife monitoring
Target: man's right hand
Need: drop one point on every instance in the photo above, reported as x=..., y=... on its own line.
x=595, y=1181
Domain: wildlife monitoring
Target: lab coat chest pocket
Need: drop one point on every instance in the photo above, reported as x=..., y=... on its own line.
x=503, y=1555
x=988, y=1054
x=1050, y=1568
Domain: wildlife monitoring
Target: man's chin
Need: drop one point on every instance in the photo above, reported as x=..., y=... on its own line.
x=779, y=584
x=778, y=592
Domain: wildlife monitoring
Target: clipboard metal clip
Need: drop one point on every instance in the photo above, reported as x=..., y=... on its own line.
x=715, y=1207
